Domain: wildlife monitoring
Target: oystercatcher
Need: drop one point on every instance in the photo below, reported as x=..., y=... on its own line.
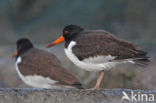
x=98, y=50
x=41, y=69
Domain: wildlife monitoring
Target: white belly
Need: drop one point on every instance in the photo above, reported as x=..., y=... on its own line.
x=91, y=64
x=35, y=80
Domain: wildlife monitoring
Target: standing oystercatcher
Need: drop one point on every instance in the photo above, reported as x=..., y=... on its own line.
x=98, y=50
x=41, y=69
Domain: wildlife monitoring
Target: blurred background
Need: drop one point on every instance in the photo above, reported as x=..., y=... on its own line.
x=43, y=20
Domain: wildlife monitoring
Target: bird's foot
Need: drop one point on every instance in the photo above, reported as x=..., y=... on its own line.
x=94, y=88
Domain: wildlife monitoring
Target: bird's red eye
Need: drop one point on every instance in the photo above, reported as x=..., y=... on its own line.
x=66, y=32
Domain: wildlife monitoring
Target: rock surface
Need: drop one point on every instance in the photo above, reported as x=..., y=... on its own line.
x=29, y=95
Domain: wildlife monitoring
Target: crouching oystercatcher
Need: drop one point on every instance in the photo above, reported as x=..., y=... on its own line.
x=41, y=69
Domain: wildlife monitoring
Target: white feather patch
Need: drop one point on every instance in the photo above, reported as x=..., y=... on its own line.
x=39, y=81
x=99, y=59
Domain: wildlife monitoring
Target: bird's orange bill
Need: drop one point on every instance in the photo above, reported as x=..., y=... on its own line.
x=15, y=54
x=59, y=40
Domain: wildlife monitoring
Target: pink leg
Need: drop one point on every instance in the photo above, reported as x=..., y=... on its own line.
x=99, y=79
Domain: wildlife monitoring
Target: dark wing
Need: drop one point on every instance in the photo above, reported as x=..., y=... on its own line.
x=42, y=62
x=99, y=42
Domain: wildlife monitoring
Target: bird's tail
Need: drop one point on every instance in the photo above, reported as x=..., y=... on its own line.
x=78, y=85
x=141, y=58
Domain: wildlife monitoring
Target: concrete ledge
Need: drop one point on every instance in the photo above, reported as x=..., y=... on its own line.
x=30, y=95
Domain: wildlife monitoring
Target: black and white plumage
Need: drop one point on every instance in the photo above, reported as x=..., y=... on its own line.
x=99, y=50
x=41, y=69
